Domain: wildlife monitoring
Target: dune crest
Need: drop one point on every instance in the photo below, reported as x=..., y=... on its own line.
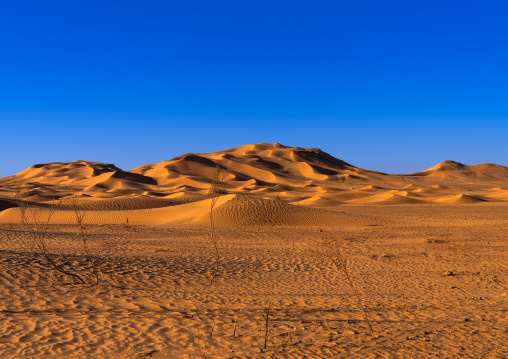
x=456, y=170
x=303, y=176
x=460, y=199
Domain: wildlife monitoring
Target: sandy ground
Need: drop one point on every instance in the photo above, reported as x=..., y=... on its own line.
x=434, y=280
x=427, y=253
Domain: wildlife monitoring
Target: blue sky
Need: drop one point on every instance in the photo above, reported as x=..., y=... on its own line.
x=393, y=86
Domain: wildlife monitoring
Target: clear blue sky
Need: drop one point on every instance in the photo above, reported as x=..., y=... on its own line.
x=394, y=86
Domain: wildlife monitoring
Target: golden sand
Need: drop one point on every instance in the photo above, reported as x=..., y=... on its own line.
x=426, y=251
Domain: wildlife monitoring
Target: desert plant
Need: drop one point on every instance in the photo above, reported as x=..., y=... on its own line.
x=219, y=174
x=334, y=253
x=266, y=317
x=205, y=338
x=331, y=250
x=218, y=177
x=80, y=216
x=264, y=326
x=203, y=345
x=235, y=325
x=204, y=342
x=36, y=223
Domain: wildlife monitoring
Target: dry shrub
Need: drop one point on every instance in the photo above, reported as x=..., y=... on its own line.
x=216, y=190
x=331, y=250
x=36, y=221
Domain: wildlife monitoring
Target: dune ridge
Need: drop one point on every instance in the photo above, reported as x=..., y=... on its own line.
x=307, y=177
x=230, y=210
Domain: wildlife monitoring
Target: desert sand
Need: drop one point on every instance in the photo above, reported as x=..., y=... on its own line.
x=426, y=252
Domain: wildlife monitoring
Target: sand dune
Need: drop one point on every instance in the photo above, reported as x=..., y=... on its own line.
x=460, y=199
x=307, y=177
x=500, y=195
x=127, y=203
x=153, y=216
x=53, y=181
x=346, y=195
x=387, y=198
x=229, y=210
x=242, y=210
x=455, y=170
x=318, y=202
x=412, y=187
x=268, y=164
x=6, y=203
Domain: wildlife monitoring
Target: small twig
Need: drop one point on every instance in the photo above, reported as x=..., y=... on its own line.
x=80, y=216
x=267, y=324
x=213, y=327
x=341, y=264
x=38, y=227
x=235, y=326
x=218, y=177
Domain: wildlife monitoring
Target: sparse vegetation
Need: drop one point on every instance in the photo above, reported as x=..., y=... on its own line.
x=36, y=221
x=80, y=216
x=334, y=253
x=266, y=317
x=331, y=250
x=216, y=190
x=205, y=339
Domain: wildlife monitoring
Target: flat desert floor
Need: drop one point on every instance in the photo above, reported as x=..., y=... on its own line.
x=433, y=279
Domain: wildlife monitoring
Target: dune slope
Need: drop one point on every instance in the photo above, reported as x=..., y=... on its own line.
x=307, y=177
